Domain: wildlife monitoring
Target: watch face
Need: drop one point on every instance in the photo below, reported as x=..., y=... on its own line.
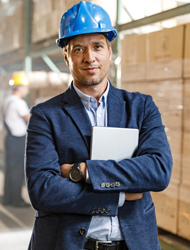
x=75, y=174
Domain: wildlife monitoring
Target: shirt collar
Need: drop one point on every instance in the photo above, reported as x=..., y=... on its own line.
x=90, y=102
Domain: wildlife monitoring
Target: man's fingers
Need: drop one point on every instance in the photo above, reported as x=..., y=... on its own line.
x=65, y=170
x=133, y=197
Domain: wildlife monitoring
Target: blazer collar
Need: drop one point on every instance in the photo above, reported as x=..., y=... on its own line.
x=115, y=109
x=74, y=107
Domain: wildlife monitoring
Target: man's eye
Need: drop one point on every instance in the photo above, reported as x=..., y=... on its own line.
x=78, y=50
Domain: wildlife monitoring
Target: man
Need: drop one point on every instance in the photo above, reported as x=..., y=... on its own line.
x=16, y=115
x=74, y=209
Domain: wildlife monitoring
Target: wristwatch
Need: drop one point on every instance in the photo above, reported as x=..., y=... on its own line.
x=75, y=173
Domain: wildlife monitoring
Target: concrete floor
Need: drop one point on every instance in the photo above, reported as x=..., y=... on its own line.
x=15, y=240
x=15, y=223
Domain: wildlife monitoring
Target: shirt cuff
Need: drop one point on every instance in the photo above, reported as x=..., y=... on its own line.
x=121, y=199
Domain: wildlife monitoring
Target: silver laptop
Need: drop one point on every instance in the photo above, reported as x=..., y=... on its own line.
x=108, y=143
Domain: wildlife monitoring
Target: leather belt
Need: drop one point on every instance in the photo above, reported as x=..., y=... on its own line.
x=93, y=244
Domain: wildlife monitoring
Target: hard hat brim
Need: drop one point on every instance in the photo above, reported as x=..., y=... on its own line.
x=62, y=42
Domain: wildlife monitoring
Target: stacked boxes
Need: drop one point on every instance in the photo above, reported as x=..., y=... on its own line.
x=184, y=198
x=133, y=64
x=11, y=26
x=46, y=16
x=184, y=212
x=166, y=204
x=187, y=52
x=153, y=56
x=165, y=53
x=162, y=79
x=186, y=135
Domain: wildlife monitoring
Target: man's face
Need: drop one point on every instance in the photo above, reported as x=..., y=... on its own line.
x=23, y=91
x=88, y=58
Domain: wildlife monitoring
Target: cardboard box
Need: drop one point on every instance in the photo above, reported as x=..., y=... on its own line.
x=39, y=30
x=186, y=159
x=166, y=205
x=187, y=51
x=133, y=58
x=42, y=8
x=12, y=36
x=165, y=53
x=186, y=108
x=175, y=141
x=184, y=212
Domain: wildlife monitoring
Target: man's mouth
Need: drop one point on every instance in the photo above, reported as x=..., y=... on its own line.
x=90, y=69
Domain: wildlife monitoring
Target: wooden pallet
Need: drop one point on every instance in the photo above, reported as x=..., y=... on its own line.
x=169, y=241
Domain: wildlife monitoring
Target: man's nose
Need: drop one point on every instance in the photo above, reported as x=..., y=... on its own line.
x=89, y=56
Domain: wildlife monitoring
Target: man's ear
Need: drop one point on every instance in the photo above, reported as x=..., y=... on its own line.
x=66, y=58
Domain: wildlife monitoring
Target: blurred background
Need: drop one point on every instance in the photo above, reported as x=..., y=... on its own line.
x=151, y=55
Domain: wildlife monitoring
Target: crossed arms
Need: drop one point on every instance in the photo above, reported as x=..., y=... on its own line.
x=53, y=140
x=65, y=168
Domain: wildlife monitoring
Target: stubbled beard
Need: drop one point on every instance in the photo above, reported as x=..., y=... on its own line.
x=85, y=82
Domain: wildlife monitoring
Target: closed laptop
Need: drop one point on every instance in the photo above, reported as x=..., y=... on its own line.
x=110, y=143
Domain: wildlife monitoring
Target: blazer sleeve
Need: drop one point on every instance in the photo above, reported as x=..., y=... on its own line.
x=48, y=190
x=149, y=170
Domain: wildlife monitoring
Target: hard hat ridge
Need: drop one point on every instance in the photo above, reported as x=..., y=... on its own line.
x=84, y=18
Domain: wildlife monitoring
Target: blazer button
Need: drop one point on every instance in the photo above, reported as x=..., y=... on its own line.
x=112, y=185
x=97, y=211
x=103, y=184
x=107, y=210
x=82, y=231
x=93, y=211
x=107, y=184
x=102, y=210
x=117, y=184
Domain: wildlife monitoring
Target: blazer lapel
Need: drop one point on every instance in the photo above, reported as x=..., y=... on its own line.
x=116, y=109
x=74, y=107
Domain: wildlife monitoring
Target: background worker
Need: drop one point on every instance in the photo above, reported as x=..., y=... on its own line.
x=16, y=115
x=83, y=203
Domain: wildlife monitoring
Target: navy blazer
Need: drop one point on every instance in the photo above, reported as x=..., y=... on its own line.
x=59, y=132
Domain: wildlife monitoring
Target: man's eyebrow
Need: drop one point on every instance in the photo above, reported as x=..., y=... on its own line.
x=78, y=45
x=99, y=42
x=95, y=43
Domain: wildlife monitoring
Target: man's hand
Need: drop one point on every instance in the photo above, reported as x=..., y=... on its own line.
x=65, y=168
x=133, y=197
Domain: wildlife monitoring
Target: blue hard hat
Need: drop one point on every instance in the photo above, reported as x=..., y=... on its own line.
x=84, y=18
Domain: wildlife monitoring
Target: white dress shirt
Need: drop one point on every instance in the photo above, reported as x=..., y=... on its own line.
x=101, y=227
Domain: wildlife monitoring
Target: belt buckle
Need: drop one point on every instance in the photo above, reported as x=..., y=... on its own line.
x=100, y=241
